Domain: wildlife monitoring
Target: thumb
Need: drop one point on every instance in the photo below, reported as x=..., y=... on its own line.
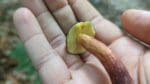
x=137, y=23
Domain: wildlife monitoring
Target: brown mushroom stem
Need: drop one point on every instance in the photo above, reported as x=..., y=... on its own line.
x=113, y=65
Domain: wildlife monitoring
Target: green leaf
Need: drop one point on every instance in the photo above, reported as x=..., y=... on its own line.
x=24, y=64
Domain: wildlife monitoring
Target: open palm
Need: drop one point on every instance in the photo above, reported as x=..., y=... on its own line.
x=44, y=30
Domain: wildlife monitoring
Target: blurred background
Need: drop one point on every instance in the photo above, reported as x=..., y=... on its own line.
x=15, y=67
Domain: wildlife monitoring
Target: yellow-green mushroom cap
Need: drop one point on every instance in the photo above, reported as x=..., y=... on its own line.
x=73, y=46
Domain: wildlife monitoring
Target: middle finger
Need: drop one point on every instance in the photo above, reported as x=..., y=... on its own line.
x=62, y=12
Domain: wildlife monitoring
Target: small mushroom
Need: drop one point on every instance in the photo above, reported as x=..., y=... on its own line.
x=72, y=44
x=81, y=37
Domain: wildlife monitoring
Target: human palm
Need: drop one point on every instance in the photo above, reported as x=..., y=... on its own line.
x=44, y=30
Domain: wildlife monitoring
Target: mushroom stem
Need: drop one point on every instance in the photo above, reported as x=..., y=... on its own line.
x=113, y=65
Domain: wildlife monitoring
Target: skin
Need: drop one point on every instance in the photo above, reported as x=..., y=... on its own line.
x=43, y=24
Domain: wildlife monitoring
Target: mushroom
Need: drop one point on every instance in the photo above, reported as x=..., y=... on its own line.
x=81, y=38
x=80, y=28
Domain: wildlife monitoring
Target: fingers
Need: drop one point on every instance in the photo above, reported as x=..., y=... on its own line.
x=45, y=59
x=84, y=10
x=137, y=23
x=46, y=21
x=62, y=12
x=105, y=30
x=52, y=31
x=36, y=6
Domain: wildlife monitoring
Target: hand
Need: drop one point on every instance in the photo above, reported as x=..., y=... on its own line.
x=44, y=29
